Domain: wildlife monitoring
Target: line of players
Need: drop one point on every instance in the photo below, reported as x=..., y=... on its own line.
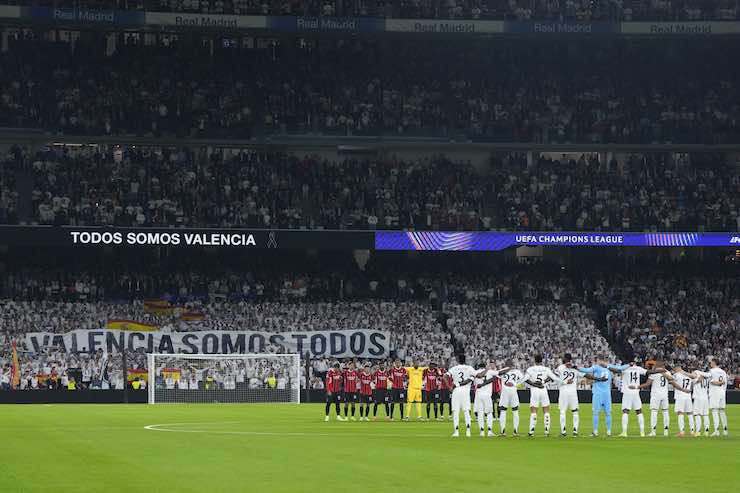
x=387, y=387
x=696, y=393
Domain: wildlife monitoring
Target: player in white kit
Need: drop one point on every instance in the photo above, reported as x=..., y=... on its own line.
x=509, y=398
x=631, y=393
x=717, y=393
x=483, y=405
x=462, y=376
x=700, y=393
x=568, y=392
x=658, y=383
x=539, y=375
x=682, y=406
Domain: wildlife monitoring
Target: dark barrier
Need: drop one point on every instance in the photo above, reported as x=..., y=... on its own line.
x=218, y=396
x=140, y=397
x=72, y=397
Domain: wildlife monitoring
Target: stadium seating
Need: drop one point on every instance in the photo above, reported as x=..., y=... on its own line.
x=172, y=187
x=571, y=10
x=506, y=316
x=506, y=92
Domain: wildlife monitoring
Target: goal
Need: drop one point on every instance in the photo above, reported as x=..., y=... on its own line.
x=217, y=378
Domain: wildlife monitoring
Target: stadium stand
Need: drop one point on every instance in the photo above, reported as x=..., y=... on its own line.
x=672, y=311
x=505, y=92
x=570, y=10
x=174, y=187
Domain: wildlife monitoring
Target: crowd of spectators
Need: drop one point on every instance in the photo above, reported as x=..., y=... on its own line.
x=176, y=187
x=675, y=318
x=8, y=194
x=514, y=332
x=513, y=91
x=671, y=313
x=554, y=10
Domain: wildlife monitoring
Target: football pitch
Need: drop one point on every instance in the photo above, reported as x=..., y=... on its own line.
x=289, y=448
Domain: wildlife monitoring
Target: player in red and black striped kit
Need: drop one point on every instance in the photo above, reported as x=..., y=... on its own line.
x=333, y=390
x=380, y=379
x=432, y=382
x=398, y=376
x=351, y=386
x=366, y=392
x=446, y=387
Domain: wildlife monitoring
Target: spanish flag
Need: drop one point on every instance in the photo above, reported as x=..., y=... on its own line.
x=192, y=316
x=133, y=374
x=158, y=307
x=15, y=372
x=118, y=324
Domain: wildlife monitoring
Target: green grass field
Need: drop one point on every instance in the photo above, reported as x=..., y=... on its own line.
x=289, y=448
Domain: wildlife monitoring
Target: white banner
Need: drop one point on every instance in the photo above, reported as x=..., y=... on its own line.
x=442, y=26
x=200, y=21
x=325, y=343
x=681, y=28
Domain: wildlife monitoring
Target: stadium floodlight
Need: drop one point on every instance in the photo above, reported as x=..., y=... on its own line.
x=219, y=378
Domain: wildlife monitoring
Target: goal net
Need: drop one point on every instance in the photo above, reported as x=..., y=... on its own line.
x=215, y=378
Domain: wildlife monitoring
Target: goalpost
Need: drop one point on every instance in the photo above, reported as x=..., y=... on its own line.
x=217, y=378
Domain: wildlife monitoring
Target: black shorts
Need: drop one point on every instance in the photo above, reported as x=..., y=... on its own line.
x=399, y=395
x=435, y=396
x=380, y=396
x=334, y=397
x=350, y=397
x=366, y=398
x=444, y=396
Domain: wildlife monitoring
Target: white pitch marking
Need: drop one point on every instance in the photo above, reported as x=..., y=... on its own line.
x=161, y=427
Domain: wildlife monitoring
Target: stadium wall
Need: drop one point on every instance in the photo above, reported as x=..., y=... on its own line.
x=140, y=397
x=100, y=18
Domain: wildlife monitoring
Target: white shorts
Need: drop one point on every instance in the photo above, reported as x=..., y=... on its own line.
x=568, y=400
x=717, y=402
x=461, y=399
x=631, y=401
x=539, y=398
x=701, y=407
x=683, y=405
x=658, y=402
x=509, y=398
x=483, y=403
